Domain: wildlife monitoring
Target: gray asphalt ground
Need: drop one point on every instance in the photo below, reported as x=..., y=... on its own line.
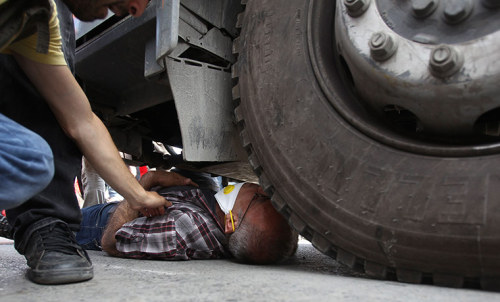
x=310, y=276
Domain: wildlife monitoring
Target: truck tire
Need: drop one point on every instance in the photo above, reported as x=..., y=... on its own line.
x=416, y=208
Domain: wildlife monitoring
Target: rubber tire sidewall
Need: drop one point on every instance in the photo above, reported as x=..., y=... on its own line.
x=403, y=210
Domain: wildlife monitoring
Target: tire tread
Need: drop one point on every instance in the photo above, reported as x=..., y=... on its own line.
x=371, y=269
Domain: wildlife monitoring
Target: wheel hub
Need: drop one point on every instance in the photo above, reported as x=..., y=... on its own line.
x=427, y=68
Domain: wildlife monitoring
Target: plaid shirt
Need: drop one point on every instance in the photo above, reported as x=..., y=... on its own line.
x=187, y=230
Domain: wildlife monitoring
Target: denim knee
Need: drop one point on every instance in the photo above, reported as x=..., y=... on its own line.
x=26, y=163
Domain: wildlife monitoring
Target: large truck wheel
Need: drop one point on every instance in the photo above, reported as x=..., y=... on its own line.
x=361, y=149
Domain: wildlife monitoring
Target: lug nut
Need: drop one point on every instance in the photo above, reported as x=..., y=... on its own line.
x=457, y=10
x=382, y=46
x=445, y=61
x=356, y=8
x=423, y=8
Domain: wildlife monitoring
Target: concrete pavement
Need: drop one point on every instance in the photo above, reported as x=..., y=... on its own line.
x=310, y=276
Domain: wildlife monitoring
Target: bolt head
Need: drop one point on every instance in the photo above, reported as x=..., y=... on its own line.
x=382, y=46
x=441, y=55
x=356, y=8
x=378, y=39
x=457, y=10
x=423, y=8
x=445, y=61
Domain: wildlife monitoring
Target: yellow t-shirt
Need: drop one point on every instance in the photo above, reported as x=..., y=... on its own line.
x=27, y=46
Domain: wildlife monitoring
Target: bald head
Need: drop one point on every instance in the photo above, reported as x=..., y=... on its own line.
x=263, y=237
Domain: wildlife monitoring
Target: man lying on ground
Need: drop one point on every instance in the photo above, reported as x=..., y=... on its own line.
x=199, y=224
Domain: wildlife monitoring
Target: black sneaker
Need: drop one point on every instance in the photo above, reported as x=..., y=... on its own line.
x=5, y=228
x=54, y=257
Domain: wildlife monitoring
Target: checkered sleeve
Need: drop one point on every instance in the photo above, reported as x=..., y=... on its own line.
x=186, y=231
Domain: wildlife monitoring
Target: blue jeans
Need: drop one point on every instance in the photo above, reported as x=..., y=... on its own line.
x=26, y=163
x=94, y=220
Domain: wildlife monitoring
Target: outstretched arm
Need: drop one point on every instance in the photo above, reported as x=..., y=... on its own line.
x=72, y=109
x=164, y=179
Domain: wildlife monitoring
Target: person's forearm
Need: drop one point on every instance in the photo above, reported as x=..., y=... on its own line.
x=96, y=144
x=164, y=179
x=72, y=110
x=122, y=214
